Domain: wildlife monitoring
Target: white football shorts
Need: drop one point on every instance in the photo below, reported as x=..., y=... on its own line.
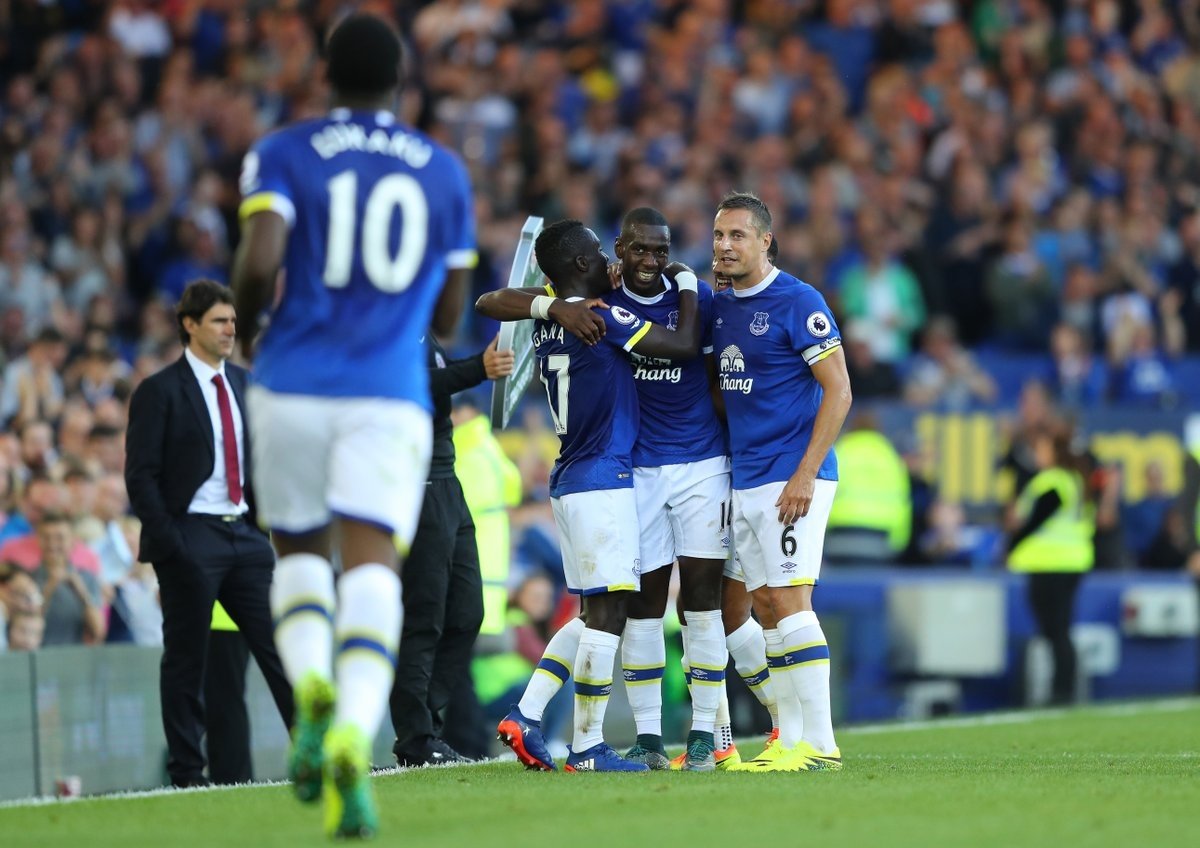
x=597, y=532
x=773, y=554
x=733, y=565
x=682, y=511
x=316, y=458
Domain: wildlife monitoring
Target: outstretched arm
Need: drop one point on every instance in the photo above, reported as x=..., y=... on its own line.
x=576, y=318
x=683, y=343
x=462, y=374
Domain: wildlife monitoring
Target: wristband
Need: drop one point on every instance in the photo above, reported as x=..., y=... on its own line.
x=541, y=307
x=686, y=281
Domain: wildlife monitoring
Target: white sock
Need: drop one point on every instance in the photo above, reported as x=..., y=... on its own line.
x=302, y=604
x=807, y=674
x=683, y=660
x=643, y=659
x=723, y=736
x=748, y=647
x=593, y=685
x=708, y=658
x=552, y=672
x=787, y=701
x=369, y=618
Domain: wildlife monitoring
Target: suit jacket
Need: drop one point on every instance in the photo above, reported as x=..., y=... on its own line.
x=170, y=452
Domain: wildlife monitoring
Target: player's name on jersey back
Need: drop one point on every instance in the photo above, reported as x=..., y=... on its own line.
x=333, y=139
x=548, y=332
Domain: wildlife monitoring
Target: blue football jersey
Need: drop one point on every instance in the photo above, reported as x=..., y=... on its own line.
x=378, y=213
x=592, y=401
x=766, y=340
x=679, y=423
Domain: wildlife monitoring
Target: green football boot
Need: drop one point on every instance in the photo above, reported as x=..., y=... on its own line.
x=349, y=804
x=315, y=700
x=701, y=753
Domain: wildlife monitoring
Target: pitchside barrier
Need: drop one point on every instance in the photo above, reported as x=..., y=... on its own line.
x=89, y=719
x=905, y=643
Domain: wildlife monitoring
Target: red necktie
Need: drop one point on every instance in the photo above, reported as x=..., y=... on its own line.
x=233, y=477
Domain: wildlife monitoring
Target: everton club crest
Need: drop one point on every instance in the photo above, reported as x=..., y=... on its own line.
x=759, y=325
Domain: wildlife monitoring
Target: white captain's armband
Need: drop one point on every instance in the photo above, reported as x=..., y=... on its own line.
x=813, y=355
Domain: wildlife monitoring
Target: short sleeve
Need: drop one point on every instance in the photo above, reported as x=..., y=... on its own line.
x=264, y=181
x=814, y=332
x=461, y=246
x=623, y=328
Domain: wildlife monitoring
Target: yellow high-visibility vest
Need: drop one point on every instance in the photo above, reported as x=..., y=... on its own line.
x=491, y=484
x=873, y=489
x=1064, y=542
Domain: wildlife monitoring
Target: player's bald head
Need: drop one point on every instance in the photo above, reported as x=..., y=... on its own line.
x=760, y=215
x=559, y=244
x=363, y=56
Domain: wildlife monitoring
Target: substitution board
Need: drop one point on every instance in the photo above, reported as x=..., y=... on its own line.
x=517, y=336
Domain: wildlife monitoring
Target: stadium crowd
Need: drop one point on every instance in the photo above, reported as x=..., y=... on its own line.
x=970, y=184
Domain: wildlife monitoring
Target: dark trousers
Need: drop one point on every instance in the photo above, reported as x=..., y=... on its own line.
x=1052, y=600
x=443, y=609
x=466, y=728
x=227, y=561
x=226, y=717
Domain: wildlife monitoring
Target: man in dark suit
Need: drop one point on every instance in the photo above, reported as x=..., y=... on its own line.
x=189, y=481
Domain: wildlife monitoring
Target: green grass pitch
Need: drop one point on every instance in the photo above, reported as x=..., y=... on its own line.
x=1126, y=775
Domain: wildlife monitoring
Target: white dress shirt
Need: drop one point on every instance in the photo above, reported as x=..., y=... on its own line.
x=212, y=498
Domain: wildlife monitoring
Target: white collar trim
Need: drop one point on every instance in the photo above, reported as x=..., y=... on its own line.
x=647, y=301
x=758, y=288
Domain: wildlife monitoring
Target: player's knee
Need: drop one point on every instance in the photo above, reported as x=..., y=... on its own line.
x=608, y=612
x=698, y=595
x=700, y=583
x=650, y=601
x=735, y=610
x=645, y=606
x=787, y=600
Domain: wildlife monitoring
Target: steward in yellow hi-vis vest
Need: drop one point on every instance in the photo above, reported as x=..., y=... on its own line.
x=1063, y=541
x=1052, y=543
x=491, y=484
x=873, y=491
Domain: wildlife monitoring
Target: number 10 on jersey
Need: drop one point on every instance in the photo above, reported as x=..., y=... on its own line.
x=388, y=273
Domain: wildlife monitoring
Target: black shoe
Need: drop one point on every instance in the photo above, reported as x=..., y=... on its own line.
x=190, y=782
x=431, y=751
